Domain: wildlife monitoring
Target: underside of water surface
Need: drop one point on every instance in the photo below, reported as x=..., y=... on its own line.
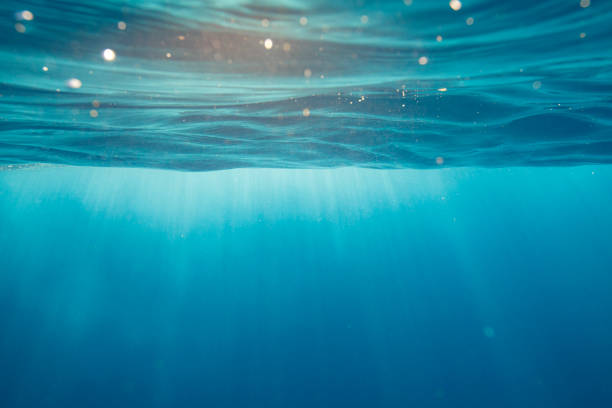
x=282, y=203
x=204, y=85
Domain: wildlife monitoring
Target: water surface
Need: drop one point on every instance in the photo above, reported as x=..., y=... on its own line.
x=383, y=84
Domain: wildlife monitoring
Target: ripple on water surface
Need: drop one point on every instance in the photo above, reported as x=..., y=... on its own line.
x=222, y=84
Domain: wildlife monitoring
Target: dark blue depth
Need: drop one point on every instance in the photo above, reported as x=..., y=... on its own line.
x=464, y=288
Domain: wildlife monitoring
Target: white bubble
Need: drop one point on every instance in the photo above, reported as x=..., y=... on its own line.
x=26, y=15
x=268, y=44
x=74, y=83
x=455, y=5
x=109, y=55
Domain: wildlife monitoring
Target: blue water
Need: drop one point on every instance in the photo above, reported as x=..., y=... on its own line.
x=237, y=203
x=193, y=86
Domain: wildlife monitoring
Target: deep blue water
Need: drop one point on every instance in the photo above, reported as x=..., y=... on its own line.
x=237, y=203
x=275, y=288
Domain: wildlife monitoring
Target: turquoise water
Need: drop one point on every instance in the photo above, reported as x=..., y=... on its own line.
x=192, y=85
x=347, y=287
x=305, y=204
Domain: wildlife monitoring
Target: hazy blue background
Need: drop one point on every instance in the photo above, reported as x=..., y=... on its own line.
x=276, y=288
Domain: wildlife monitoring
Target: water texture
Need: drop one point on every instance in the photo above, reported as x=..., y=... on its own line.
x=301, y=288
x=202, y=85
x=406, y=204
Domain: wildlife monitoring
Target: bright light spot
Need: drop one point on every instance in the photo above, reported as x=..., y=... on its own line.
x=423, y=60
x=585, y=3
x=181, y=37
x=121, y=25
x=306, y=112
x=307, y=73
x=439, y=38
x=469, y=21
x=74, y=83
x=442, y=89
x=109, y=55
x=364, y=19
x=25, y=15
x=286, y=47
x=537, y=85
x=455, y=5
x=268, y=44
x=265, y=22
x=20, y=28
x=168, y=55
x=45, y=68
x=93, y=113
x=303, y=21
x=488, y=332
x=439, y=161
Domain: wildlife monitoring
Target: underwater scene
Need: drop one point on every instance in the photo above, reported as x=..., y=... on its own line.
x=282, y=203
